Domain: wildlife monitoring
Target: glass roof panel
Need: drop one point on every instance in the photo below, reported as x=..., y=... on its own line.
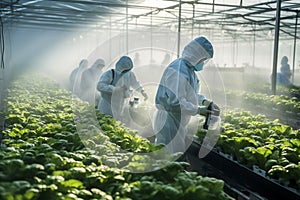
x=216, y=15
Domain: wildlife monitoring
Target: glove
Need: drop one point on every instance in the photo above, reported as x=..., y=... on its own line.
x=206, y=102
x=119, y=89
x=144, y=95
x=202, y=110
x=215, y=107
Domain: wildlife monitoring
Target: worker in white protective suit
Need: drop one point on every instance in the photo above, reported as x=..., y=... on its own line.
x=177, y=97
x=115, y=88
x=89, y=80
x=75, y=76
x=284, y=77
x=166, y=60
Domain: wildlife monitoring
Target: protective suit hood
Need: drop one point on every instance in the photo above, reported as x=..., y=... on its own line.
x=99, y=62
x=125, y=63
x=284, y=60
x=83, y=63
x=285, y=67
x=197, y=49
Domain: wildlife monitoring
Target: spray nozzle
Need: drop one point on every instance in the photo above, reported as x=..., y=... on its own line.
x=134, y=102
x=215, y=110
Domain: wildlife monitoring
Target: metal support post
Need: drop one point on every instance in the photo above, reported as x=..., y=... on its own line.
x=193, y=21
x=179, y=30
x=295, y=45
x=254, y=41
x=276, y=41
x=127, y=27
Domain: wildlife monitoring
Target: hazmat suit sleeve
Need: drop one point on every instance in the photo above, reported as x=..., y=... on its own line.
x=181, y=89
x=201, y=98
x=134, y=83
x=86, y=80
x=73, y=77
x=104, y=83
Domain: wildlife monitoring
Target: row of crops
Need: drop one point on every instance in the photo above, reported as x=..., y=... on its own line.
x=281, y=103
x=266, y=88
x=43, y=154
x=259, y=143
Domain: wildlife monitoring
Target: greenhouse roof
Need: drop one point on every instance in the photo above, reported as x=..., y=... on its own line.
x=222, y=17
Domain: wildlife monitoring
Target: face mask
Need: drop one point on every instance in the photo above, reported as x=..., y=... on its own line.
x=125, y=75
x=199, y=67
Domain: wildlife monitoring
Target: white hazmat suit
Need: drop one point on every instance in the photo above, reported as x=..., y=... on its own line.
x=75, y=77
x=89, y=81
x=115, y=87
x=283, y=77
x=285, y=73
x=177, y=97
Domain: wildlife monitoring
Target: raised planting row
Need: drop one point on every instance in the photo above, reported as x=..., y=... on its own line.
x=254, y=141
x=281, y=103
x=266, y=88
x=43, y=154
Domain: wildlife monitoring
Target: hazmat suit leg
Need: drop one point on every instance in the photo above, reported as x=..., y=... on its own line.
x=104, y=107
x=117, y=106
x=171, y=130
x=112, y=105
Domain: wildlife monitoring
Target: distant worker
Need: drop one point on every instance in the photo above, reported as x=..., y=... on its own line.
x=115, y=87
x=177, y=97
x=136, y=60
x=166, y=60
x=75, y=77
x=89, y=81
x=284, y=76
x=285, y=71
